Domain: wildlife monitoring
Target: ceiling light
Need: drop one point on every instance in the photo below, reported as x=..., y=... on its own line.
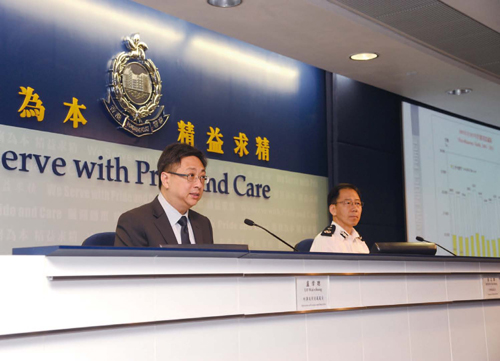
x=364, y=56
x=459, y=91
x=224, y=3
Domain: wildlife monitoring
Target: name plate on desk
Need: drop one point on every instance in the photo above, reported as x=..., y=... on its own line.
x=312, y=293
x=491, y=287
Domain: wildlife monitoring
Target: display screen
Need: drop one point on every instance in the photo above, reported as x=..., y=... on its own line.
x=452, y=182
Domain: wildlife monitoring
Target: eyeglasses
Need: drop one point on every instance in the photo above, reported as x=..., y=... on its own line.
x=191, y=177
x=350, y=203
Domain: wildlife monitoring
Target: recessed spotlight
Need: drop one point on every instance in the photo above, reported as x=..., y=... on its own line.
x=363, y=56
x=459, y=91
x=224, y=3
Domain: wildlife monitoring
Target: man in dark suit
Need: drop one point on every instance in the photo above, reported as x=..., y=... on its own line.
x=168, y=218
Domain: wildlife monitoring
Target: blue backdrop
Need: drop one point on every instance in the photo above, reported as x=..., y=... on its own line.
x=63, y=49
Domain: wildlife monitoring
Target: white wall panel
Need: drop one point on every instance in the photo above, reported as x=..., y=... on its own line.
x=267, y=294
x=248, y=265
x=462, y=266
x=426, y=289
x=492, y=320
x=87, y=266
x=381, y=266
x=23, y=288
x=335, y=336
x=273, y=338
x=331, y=266
x=82, y=303
x=31, y=302
x=430, y=333
x=468, y=340
x=216, y=340
x=25, y=348
x=490, y=267
x=344, y=291
x=425, y=266
x=199, y=265
x=383, y=290
x=466, y=287
x=386, y=335
x=178, y=298
x=126, y=344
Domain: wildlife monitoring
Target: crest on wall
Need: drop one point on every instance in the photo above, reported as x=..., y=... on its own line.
x=134, y=90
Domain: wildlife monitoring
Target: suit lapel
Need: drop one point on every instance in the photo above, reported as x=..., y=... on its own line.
x=162, y=223
x=198, y=233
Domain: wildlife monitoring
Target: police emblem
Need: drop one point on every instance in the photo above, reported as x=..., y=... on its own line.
x=134, y=90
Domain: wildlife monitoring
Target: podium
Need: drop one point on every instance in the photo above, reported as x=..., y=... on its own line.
x=100, y=303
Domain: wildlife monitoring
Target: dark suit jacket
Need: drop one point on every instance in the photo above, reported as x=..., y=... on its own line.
x=148, y=226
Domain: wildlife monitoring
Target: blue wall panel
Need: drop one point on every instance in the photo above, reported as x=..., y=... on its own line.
x=368, y=153
x=63, y=49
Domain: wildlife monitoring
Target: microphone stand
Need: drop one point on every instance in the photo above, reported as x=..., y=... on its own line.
x=252, y=223
x=420, y=239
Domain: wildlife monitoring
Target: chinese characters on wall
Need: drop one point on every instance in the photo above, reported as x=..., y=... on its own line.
x=215, y=142
x=32, y=106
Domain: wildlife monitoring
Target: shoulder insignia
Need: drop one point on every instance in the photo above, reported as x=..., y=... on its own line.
x=328, y=231
x=344, y=234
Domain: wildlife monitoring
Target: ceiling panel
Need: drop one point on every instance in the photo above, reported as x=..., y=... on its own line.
x=324, y=34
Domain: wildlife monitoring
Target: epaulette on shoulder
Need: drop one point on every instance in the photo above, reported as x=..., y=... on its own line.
x=328, y=231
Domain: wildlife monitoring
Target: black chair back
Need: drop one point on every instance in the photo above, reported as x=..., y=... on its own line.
x=104, y=239
x=305, y=245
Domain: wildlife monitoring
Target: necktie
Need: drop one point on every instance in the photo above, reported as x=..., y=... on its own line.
x=184, y=230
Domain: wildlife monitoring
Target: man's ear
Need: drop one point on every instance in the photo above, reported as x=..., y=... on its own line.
x=333, y=209
x=165, y=179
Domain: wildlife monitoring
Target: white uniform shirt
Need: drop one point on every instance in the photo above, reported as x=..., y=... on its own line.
x=173, y=216
x=339, y=242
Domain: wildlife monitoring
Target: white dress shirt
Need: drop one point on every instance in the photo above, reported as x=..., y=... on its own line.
x=173, y=216
x=339, y=242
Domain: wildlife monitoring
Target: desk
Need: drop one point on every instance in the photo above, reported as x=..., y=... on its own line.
x=85, y=303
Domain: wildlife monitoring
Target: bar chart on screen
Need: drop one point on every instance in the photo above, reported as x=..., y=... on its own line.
x=473, y=209
x=452, y=179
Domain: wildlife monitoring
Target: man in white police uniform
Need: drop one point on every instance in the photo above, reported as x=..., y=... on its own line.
x=345, y=206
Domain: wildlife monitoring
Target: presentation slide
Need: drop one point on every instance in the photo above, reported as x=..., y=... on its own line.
x=452, y=180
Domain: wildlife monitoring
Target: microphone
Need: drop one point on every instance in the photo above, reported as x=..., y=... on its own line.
x=249, y=222
x=420, y=239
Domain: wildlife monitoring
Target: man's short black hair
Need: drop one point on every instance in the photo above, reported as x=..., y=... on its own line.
x=334, y=193
x=172, y=156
